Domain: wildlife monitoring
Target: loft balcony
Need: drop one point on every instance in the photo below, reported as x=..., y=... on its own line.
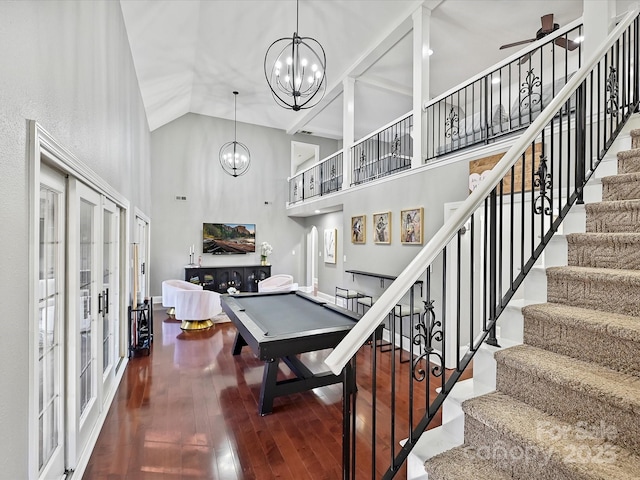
x=497, y=104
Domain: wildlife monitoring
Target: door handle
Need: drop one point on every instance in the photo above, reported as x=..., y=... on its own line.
x=106, y=301
x=99, y=303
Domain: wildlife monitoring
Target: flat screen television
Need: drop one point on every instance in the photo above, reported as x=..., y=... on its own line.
x=228, y=238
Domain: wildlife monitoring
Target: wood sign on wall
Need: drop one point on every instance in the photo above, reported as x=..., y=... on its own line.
x=481, y=167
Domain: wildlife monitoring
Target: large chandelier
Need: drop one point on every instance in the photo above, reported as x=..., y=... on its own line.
x=234, y=156
x=295, y=71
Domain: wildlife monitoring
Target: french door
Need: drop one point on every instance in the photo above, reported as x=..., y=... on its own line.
x=93, y=348
x=85, y=283
x=109, y=296
x=78, y=271
x=51, y=325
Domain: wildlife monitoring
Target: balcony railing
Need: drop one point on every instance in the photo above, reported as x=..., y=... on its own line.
x=385, y=152
x=320, y=179
x=504, y=99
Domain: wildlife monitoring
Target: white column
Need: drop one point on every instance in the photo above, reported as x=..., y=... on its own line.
x=348, y=128
x=597, y=17
x=421, y=27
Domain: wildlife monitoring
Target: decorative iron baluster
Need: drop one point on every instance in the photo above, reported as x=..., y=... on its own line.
x=451, y=123
x=295, y=190
x=396, y=146
x=426, y=334
x=543, y=181
x=332, y=173
x=529, y=95
x=612, y=89
x=363, y=158
x=311, y=182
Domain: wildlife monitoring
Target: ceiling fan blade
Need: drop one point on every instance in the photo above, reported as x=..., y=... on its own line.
x=566, y=43
x=515, y=44
x=547, y=22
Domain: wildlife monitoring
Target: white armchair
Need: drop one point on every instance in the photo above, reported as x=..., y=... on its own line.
x=169, y=289
x=277, y=283
x=196, y=308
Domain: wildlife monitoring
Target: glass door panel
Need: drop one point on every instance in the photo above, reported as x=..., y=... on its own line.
x=108, y=298
x=50, y=327
x=84, y=360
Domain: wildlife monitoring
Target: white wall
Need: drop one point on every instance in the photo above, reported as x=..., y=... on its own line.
x=430, y=189
x=185, y=163
x=68, y=66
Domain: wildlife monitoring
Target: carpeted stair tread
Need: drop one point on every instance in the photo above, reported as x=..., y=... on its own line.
x=629, y=161
x=631, y=153
x=461, y=464
x=613, y=324
x=613, y=238
x=614, y=205
x=604, y=250
x=615, y=388
x=627, y=277
x=624, y=186
x=561, y=448
x=613, y=216
x=622, y=178
x=608, y=339
x=605, y=289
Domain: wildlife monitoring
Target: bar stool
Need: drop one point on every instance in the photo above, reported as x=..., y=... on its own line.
x=366, y=301
x=401, y=311
x=348, y=295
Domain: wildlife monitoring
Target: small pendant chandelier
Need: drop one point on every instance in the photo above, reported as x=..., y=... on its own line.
x=234, y=156
x=295, y=71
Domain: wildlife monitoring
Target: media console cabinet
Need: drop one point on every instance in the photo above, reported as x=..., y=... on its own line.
x=244, y=278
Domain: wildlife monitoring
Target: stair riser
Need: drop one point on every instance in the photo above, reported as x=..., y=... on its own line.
x=609, y=351
x=619, y=221
x=573, y=406
x=523, y=462
x=604, y=255
x=621, y=191
x=606, y=296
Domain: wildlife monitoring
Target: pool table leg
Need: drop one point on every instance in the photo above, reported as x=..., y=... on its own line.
x=267, y=390
x=238, y=343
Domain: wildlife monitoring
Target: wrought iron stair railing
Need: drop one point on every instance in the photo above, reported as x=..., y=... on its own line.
x=476, y=263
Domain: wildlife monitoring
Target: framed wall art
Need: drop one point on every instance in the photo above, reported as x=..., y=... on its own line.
x=411, y=222
x=330, y=245
x=359, y=229
x=382, y=227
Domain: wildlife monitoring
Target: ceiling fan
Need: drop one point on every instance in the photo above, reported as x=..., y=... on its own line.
x=548, y=26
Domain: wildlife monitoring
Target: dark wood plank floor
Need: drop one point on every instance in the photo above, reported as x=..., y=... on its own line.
x=189, y=411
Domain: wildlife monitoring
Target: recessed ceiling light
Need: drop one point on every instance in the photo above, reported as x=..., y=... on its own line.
x=580, y=39
x=317, y=211
x=430, y=52
x=495, y=80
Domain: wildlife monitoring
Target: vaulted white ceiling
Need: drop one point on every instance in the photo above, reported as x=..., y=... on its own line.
x=190, y=55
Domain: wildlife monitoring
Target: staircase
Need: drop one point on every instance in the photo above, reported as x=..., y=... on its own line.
x=567, y=401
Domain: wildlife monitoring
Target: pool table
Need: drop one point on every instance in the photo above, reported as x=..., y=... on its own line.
x=278, y=326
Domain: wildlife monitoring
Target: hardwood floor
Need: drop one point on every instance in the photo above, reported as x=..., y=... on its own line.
x=189, y=411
